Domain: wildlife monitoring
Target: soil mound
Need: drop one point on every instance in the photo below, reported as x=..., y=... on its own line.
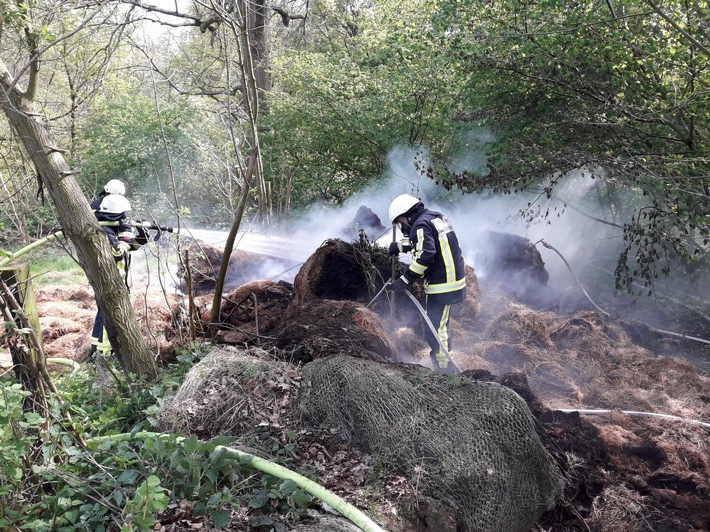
x=322, y=328
x=253, y=310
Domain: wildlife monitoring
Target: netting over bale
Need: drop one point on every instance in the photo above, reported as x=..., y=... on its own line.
x=230, y=392
x=468, y=443
x=324, y=328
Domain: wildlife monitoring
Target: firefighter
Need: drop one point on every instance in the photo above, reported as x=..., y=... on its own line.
x=437, y=259
x=113, y=208
x=114, y=186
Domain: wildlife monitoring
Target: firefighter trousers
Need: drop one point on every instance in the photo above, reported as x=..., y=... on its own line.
x=439, y=314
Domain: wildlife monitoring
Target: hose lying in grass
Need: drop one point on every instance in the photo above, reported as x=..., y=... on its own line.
x=331, y=499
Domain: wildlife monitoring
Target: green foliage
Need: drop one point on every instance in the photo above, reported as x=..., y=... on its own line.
x=123, y=139
x=339, y=109
x=618, y=89
x=127, y=477
x=16, y=441
x=54, y=266
x=150, y=498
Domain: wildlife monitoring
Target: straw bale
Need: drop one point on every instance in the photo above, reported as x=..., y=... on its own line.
x=73, y=345
x=55, y=327
x=50, y=294
x=68, y=309
x=511, y=259
x=340, y=270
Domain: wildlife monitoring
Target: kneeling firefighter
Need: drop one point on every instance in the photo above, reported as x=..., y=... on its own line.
x=113, y=208
x=437, y=259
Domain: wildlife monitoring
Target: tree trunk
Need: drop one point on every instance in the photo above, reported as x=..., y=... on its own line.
x=80, y=226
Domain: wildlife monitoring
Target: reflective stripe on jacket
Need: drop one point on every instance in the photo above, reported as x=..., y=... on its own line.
x=436, y=254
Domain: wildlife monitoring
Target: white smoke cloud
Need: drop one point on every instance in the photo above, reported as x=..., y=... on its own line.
x=572, y=234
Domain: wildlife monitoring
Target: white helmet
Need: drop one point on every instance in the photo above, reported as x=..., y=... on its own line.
x=115, y=186
x=115, y=204
x=402, y=205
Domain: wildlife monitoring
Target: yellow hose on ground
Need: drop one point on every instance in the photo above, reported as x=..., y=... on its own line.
x=331, y=499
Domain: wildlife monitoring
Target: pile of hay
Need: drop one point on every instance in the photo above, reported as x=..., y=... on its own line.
x=232, y=392
x=253, y=310
x=323, y=328
x=587, y=360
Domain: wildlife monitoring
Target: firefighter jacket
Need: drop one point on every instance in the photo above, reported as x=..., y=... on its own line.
x=120, y=236
x=436, y=256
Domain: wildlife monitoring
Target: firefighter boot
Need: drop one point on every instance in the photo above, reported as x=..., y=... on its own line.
x=442, y=364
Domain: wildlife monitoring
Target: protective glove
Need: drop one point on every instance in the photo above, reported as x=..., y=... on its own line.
x=403, y=246
x=141, y=236
x=399, y=285
x=124, y=247
x=395, y=248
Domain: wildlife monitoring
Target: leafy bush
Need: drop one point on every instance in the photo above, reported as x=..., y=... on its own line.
x=126, y=476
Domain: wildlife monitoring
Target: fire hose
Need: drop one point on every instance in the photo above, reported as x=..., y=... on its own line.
x=9, y=257
x=426, y=320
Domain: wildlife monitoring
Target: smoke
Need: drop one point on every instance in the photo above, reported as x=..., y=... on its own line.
x=574, y=235
x=587, y=245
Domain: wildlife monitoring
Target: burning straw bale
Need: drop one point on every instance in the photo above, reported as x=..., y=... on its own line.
x=231, y=392
x=204, y=262
x=339, y=270
x=473, y=445
x=512, y=260
x=254, y=309
x=323, y=328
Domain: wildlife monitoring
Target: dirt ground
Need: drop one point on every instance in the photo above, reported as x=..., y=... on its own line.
x=635, y=471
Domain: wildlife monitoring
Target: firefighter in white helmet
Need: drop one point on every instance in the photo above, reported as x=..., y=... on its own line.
x=113, y=208
x=437, y=259
x=114, y=186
